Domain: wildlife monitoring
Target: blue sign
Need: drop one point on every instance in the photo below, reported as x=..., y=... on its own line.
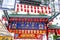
x=27, y=25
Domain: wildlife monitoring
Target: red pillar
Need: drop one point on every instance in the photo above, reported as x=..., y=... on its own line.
x=47, y=32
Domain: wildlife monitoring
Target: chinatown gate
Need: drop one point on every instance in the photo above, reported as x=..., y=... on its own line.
x=29, y=21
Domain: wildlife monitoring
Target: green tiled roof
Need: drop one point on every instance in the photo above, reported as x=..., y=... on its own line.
x=54, y=27
x=30, y=15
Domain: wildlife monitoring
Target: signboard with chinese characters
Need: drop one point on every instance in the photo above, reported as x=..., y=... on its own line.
x=7, y=4
x=31, y=34
x=28, y=25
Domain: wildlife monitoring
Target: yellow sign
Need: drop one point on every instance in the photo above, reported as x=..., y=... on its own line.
x=28, y=35
x=6, y=38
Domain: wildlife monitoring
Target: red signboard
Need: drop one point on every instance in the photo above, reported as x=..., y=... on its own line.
x=33, y=9
x=31, y=34
x=28, y=31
